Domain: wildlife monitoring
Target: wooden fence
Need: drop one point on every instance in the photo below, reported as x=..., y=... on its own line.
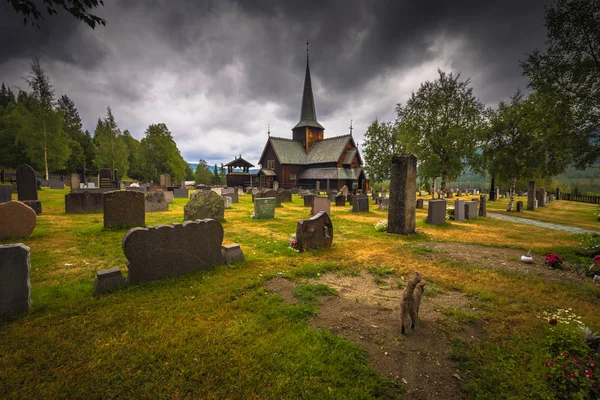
x=582, y=198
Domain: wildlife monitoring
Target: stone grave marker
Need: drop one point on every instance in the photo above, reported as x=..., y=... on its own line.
x=27, y=188
x=83, y=202
x=104, y=178
x=180, y=193
x=295, y=190
x=15, y=288
x=318, y=187
x=75, y=181
x=459, y=210
x=275, y=185
x=402, y=215
x=313, y=233
x=384, y=204
x=5, y=193
x=124, y=208
x=217, y=190
x=56, y=184
x=264, y=207
x=345, y=191
x=204, y=204
x=172, y=250
x=470, y=210
x=227, y=200
x=321, y=204
x=91, y=185
x=531, y=196
x=540, y=195
x=419, y=203
x=309, y=200
x=232, y=253
x=165, y=180
x=436, y=212
x=240, y=192
x=169, y=196
x=285, y=195
x=273, y=193
x=16, y=219
x=449, y=194
x=340, y=200
x=519, y=206
x=156, y=201
x=232, y=193
x=483, y=205
x=360, y=203
x=108, y=280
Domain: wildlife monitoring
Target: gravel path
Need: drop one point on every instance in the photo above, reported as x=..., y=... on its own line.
x=517, y=220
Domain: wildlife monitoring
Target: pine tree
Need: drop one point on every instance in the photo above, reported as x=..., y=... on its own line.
x=111, y=150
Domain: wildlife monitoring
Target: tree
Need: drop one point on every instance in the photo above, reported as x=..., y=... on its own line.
x=567, y=74
x=77, y=8
x=135, y=158
x=160, y=154
x=47, y=121
x=6, y=96
x=189, y=173
x=111, y=151
x=381, y=142
x=216, y=178
x=222, y=175
x=203, y=174
x=73, y=128
x=442, y=125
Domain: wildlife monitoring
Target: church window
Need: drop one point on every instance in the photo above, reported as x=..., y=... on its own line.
x=271, y=164
x=292, y=177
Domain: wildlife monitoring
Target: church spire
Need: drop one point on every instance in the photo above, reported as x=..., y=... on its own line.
x=308, y=114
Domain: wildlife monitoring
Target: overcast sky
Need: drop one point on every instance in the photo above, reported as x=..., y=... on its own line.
x=218, y=72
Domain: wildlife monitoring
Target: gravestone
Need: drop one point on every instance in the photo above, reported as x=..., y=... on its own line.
x=459, y=210
x=240, y=192
x=108, y=280
x=232, y=253
x=5, y=193
x=318, y=187
x=360, y=203
x=264, y=208
x=331, y=196
x=384, y=204
x=470, y=210
x=519, y=206
x=172, y=250
x=402, y=215
x=421, y=193
x=83, y=202
x=285, y=195
x=483, y=205
x=26, y=183
x=309, y=200
x=204, y=204
x=180, y=193
x=321, y=204
x=275, y=185
x=273, y=193
x=104, y=178
x=169, y=196
x=458, y=193
x=295, y=190
x=540, y=195
x=419, y=203
x=449, y=194
x=345, y=191
x=16, y=220
x=313, y=233
x=497, y=193
x=436, y=212
x=165, y=180
x=124, y=208
x=340, y=200
x=15, y=288
x=232, y=193
x=156, y=201
x=218, y=190
x=56, y=185
x=531, y=196
x=141, y=189
x=75, y=181
x=91, y=185
x=227, y=201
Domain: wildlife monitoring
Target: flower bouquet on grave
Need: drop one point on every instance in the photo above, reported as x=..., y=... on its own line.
x=450, y=213
x=554, y=261
x=527, y=258
x=381, y=226
x=293, y=242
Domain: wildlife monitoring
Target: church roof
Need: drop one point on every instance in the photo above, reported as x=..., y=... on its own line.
x=308, y=113
x=289, y=151
x=239, y=162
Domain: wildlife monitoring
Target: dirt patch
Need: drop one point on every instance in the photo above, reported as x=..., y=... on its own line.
x=366, y=312
x=497, y=258
x=284, y=287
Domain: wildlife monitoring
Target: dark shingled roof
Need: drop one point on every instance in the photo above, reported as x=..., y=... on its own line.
x=288, y=151
x=239, y=162
x=327, y=150
x=308, y=113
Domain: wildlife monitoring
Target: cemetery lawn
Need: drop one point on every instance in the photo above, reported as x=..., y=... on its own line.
x=581, y=215
x=228, y=333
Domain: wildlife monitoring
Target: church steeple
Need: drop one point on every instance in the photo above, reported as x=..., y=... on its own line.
x=308, y=130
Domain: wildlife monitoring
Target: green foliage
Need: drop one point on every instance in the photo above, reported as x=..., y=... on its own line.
x=135, y=155
x=380, y=144
x=441, y=124
x=82, y=154
x=111, y=150
x=567, y=75
x=310, y=293
x=202, y=174
x=160, y=154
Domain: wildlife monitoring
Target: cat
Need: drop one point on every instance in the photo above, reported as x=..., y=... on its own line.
x=410, y=301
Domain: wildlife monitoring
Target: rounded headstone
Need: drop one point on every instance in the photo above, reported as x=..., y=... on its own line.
x=156, y=201
x=204, y=204
x=16, y=219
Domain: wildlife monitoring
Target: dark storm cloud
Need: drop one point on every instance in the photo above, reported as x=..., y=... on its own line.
x=217, y=70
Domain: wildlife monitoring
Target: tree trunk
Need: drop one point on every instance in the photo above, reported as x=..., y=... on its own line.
x=443, y=184
x=513, y=184
x=433, y=188
x=45, y=147
x=493, y=189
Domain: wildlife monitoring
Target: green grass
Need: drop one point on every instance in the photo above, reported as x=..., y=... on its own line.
x=219, y=334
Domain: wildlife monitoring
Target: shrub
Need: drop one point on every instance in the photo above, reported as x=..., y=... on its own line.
x=450, y=213
x=381, y=226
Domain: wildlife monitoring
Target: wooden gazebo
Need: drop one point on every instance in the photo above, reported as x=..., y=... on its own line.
x=238, y=172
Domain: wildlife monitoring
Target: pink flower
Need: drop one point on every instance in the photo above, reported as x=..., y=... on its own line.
x=597, y=259
x=589, y=374
x=592, y=364
x=548, y=363
x=572, y=375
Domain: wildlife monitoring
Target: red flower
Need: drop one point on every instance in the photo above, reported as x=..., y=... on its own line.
x=553, y=321
x=597, y=259
x=589, y=374
x=548, y=363
x=592, y=364
x=572, y=375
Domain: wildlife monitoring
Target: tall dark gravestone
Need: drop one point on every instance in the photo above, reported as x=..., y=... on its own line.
x=27, y=188
x=483, y=205
x=104, y=178
x=531, y=196
x=402, y=214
